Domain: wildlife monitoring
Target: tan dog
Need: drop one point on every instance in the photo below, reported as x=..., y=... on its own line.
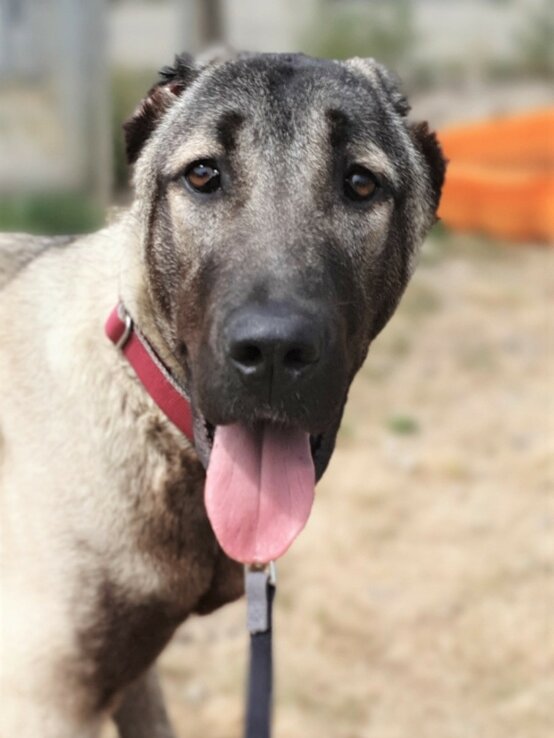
x=280, y=202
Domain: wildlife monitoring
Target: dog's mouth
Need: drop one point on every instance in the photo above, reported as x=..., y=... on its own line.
x=204, y=433
x=260, y=484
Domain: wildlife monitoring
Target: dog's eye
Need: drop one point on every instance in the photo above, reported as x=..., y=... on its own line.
x=360, y=184
x=203, y=176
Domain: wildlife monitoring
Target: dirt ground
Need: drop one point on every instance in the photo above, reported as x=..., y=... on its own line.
x=416, y=604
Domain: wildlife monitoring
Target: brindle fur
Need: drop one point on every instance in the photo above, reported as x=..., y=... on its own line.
x=106, y=546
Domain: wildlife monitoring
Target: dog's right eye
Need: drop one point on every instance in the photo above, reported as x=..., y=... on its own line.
x=360, y=184
x=204, y=177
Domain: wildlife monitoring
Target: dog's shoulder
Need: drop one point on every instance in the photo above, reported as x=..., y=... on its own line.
x=17, y=250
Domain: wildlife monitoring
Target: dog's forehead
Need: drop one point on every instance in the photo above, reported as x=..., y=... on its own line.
x=278, y=99
x=269, y=87
x=281, y=94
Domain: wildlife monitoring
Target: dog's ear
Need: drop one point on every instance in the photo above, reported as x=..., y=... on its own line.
x=173, y=80
x=423, y=138
x=428, y=145
x=387, y=82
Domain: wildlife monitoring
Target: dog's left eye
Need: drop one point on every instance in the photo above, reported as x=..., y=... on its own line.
x=360, y=184
x=203, y=176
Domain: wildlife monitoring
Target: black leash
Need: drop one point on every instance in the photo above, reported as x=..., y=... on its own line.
x=260, y=590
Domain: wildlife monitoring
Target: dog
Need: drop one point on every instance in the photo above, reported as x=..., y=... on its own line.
x=280, y=203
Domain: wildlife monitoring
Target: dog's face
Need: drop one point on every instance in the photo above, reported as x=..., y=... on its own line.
x=283, y=202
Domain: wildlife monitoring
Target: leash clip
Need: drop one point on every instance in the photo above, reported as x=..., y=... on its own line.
x=260, y=582
x=270, y=570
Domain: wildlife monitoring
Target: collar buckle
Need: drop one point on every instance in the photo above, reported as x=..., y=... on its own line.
x=122, y=340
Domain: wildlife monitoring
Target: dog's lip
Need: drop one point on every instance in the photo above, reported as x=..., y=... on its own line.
x=206, y=430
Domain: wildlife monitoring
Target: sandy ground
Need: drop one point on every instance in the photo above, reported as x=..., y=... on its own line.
x=417, y=602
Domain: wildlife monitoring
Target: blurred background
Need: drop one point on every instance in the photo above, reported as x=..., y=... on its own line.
x=417, y=602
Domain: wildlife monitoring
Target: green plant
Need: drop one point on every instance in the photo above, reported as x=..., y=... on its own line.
x=50, y=213
x=536, y=42
x=403, y=425
x=385, y=31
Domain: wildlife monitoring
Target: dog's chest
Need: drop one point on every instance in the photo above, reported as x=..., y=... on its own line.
x=168, y=566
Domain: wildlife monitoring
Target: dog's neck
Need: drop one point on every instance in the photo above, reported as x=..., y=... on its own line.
x=135, y=295
x=154, y=376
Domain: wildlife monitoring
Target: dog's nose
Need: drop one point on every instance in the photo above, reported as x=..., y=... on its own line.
x=273, y=343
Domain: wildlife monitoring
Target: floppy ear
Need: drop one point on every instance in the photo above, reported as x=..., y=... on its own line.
x=173, y=80
x=423, y=138
x=429, y=147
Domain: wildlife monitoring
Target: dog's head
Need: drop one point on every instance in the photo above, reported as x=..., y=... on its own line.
x=283, y=200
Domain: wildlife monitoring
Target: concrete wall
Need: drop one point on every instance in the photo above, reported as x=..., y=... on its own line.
x=147, y=34
x=54, y=112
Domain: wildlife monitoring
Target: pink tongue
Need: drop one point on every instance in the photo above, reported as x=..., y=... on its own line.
x=259, y=490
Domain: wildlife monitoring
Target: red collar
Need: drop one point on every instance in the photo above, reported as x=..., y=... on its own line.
x=149, y=368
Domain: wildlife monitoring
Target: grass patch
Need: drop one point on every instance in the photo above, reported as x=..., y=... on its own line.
x=403, y=425
x=50, y=214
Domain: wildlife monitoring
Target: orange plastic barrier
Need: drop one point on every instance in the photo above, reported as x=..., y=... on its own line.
x=500, y=179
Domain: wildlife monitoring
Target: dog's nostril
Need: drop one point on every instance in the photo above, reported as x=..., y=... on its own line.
x=247, y=354
x=300, y=356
